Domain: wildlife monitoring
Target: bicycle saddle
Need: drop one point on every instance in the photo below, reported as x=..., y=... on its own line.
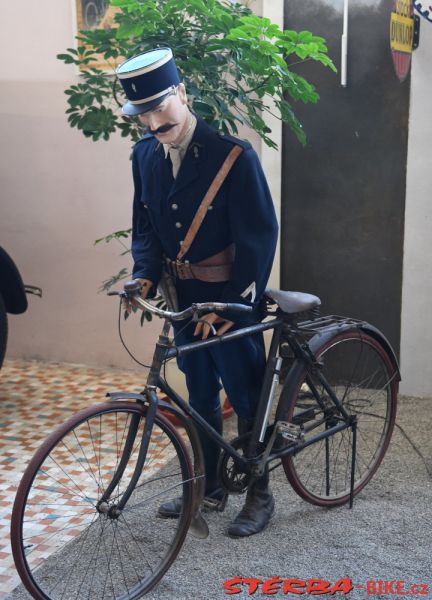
x=293, y=302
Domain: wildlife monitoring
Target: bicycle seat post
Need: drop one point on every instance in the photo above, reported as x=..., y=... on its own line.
x=267, y=392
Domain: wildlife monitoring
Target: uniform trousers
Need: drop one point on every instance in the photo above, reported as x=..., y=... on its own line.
x=238, y=365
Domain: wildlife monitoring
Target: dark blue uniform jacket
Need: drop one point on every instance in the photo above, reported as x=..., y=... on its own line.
x=242, y=212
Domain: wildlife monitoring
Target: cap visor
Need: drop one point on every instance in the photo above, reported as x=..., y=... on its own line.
x=132, y=110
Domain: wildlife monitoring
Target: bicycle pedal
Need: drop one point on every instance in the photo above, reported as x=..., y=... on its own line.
x=213, y=504
x=289, y=431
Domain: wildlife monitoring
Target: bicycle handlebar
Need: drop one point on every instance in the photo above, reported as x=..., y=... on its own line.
x=132, y=290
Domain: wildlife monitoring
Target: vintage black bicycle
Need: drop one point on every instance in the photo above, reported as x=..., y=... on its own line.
x=85, y=522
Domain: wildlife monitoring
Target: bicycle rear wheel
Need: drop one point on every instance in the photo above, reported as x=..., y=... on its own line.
x=365, y=381
x=64, y=546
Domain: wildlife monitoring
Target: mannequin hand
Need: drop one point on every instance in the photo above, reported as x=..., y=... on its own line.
x=212, y=319
x=146, y=287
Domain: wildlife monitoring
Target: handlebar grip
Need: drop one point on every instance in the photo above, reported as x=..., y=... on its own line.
x=240, y=308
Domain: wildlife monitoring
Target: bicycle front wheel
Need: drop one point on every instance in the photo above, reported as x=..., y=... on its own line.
x=66, y=544
x=365, y=381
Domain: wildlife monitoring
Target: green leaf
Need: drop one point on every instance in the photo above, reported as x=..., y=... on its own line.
x=113, y=280
x=203, y=109
x=66, y=58
x=130, y=30
x=305, y=36
x=122, y=233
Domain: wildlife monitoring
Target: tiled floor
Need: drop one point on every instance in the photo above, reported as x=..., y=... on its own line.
x=35, y=398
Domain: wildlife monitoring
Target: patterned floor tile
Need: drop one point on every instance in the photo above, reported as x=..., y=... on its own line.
x=35, y=398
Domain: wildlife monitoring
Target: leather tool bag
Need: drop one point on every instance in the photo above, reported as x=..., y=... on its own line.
x=216, y=268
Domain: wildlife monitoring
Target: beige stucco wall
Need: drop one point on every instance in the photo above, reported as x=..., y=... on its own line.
x=271, y=159
x=416, y=346
x=60, y=192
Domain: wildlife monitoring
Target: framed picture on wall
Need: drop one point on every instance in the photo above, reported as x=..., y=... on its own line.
x=95, y=14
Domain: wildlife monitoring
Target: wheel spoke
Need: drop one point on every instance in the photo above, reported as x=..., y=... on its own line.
x=362, y=376
x=73, y=546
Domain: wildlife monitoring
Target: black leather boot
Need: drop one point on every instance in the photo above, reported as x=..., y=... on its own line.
x=259, y=505
x=215, y=497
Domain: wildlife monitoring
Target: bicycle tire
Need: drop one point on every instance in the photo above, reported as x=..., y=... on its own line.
x=365, y=380
x=62, y=545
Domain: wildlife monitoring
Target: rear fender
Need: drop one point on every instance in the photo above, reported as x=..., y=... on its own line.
x=322, y=338
x=317, y=342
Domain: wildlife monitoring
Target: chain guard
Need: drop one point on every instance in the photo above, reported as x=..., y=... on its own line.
x=234, y=480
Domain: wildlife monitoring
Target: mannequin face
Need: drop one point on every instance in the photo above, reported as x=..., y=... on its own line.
x=171, y=114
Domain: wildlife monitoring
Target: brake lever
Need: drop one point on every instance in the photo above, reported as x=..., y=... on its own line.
x=212, y=327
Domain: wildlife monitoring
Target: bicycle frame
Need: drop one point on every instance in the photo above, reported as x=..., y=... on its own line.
x=251, y=462
x=342, y=376
x=259, y=452
x=169, y=351
x=281, y=327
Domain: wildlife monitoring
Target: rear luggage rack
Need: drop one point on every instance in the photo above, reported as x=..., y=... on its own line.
x=327, y=323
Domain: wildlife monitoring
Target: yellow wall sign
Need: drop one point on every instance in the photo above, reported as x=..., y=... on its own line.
x=402, y=27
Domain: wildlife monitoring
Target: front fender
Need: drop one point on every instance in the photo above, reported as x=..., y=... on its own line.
x=198, y=458
x=187, y=423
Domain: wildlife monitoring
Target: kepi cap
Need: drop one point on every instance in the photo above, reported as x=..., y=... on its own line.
x=147, y=79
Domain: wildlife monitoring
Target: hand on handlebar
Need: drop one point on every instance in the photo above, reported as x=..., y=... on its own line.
x=134, y=296
x=211, y=319
x=146, y=287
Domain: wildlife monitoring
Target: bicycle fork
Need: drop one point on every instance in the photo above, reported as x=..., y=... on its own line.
x=150, y=397
x=103, y=505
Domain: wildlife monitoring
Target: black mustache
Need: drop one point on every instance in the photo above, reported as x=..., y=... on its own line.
x=162, y=128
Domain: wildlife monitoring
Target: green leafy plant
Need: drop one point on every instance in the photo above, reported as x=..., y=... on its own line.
x=118, y=236
x=231, y=61
x=123, y=273
x=236, y=66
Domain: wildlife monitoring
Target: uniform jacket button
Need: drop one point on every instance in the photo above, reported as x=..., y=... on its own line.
x=174, y=206
x=178, y=225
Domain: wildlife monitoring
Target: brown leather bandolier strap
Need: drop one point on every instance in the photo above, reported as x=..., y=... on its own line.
x=208, y=199
x=215, y=269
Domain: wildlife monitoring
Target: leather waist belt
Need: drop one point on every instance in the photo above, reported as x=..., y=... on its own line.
x=215, y=269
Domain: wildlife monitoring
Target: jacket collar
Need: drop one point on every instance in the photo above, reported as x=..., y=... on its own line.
x=194, y=160
x=184, y=144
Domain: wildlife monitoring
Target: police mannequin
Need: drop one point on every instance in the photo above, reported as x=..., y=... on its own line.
x=173, y=167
